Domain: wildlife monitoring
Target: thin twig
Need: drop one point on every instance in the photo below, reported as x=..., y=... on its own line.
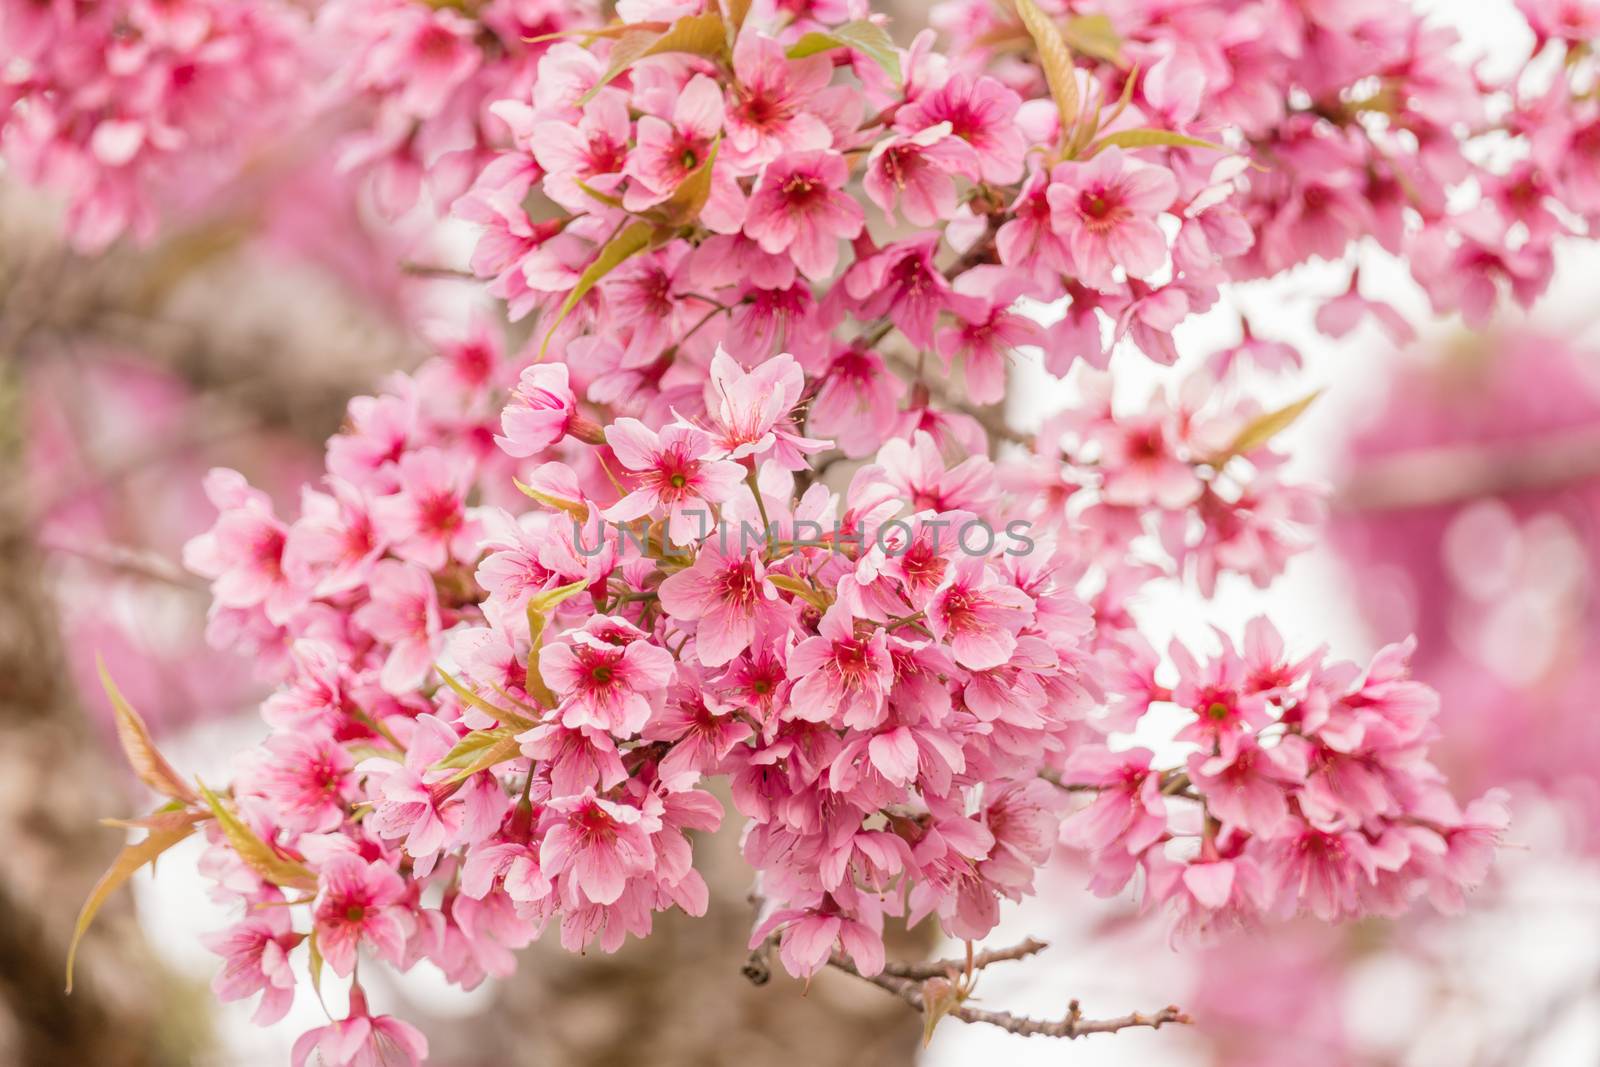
x=1072, y=1025
x=943, y=968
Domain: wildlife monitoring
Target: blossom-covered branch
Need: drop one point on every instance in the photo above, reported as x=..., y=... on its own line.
x=727, y=516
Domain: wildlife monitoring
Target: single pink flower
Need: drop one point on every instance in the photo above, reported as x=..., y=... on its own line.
x=918, y=171
x=840, y=676
x=768, y=115
x=978, y=615
x=595, y=846
x=255, y=952
x=361, y=1040
x=540, y=411
x=607, y=685
x=1106, y=210
x=800, y=207
x=403, y=612
x=674, y=473
x=361, y=902
x=426, y=522
x=724, y=594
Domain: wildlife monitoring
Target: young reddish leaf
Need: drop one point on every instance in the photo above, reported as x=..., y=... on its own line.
x=148, y=763
x=1056, y=59
x=262, y=857
x=127, y=863
x=868, y=38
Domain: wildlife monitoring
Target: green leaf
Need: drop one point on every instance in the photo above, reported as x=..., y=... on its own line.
x=634, y=239
x=261, y=857
x=148, y=763
x=804, y=590
x=540, y=606
x=314, y=964
x=1144, y=138
x=480, y=750
x=1056, y=59
x=1264, y=428
x=502, y=715
x=1095, y=36
x=576, y=509
x=868, y=38
x=698, y=35
x=128, y=861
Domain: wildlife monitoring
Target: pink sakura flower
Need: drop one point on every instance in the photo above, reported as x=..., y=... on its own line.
x=334, y=544
x=512, y=864
x=1341, y=315
x=307, y=779
x=409, y=803
x=903, y=283
x=577, y=759
x=839, y=675
x=382, y=429
x=978, y=615
x=674, y=474
x=1210, y=893
x=1028, y=240
x=1271, y=356
x=1565, y=20
x=768, y=114
x=255, y=952
x=593, y=150
x=402, y=612
x=540, y=411
x=361, y=902
x=1151, y=316
x=724, y=594
x=919, y=171
x=1248, y=788
x=426, y=522
x=703, y=729
x=437, y=51
x=242, y=553
x=361, y=1040
x=800, y=207
x=608, y=675
x=1323, y=870
x=1128, y=812
x=1215, y=693
x=666, y=153
x=769, y=318
x=750, y=409
x=857, y=402
x=1140, y=462
x=985, y=336
x=983, y=113
x=1106, y=210
x=598, y=845
x=917, y=472
x=807, y=936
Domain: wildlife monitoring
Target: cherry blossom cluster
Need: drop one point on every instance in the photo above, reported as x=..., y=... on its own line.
x=118, y=105
x=740, y=515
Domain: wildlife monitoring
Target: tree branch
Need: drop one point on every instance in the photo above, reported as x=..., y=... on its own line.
x=1072, y=1025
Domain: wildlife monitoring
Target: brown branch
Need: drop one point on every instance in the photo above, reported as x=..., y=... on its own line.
x=1072, y=1025
x=944, y=968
